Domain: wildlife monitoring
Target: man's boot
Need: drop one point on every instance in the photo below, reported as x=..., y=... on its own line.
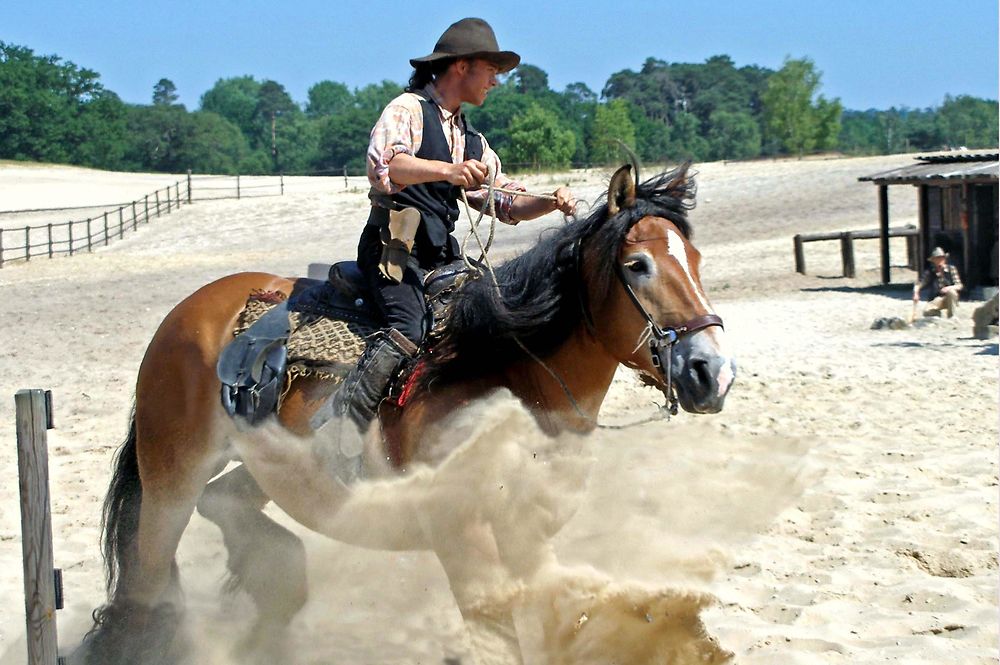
x=354, y=405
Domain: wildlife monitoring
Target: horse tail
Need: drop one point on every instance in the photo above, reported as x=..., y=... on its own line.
x=120, y=517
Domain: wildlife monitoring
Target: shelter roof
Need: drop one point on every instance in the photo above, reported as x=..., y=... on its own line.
x=982, y=167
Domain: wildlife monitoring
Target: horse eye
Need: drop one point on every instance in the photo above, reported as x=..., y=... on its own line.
x=638, y=266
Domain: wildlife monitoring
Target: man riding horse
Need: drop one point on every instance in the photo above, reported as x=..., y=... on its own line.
x=422, y=154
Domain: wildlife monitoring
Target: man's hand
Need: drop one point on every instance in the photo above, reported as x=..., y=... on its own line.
x=469, y=174
x=565, y=201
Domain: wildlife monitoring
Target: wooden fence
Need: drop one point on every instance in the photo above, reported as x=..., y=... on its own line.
x=84, y=235
x=847, y=239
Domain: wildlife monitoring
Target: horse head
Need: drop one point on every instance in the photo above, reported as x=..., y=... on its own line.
x=664, y=325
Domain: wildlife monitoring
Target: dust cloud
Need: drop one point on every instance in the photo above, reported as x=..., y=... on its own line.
x=601, y=549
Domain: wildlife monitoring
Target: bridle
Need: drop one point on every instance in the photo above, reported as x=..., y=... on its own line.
x=661, y=340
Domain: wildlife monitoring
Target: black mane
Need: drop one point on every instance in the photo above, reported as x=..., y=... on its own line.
x=538, y=302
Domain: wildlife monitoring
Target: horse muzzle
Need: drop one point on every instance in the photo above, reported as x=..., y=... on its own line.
x=701, y=373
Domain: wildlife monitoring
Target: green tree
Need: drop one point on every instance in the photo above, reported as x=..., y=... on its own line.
x=530, y=80
x=165, y=93
x=343, y=139
x=538, y=139
x=733, y=135
x=791, y=115
x=272, y=101
x=53, y=111
x=968, y=121
x=686, y=141
x=235, y=99
x=376, y=96
x=612, y=127
x=328, y=98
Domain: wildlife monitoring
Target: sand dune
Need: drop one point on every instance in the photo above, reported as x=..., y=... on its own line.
x=842, y=509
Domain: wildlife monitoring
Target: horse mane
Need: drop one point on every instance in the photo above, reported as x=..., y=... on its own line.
x=538, y=302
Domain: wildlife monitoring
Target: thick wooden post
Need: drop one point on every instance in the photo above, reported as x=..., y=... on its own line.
x=33, y=419
x=27, y=243
x=847, y=253
x=157, y=194
x=121, y=224
x=800, y=255
x=177, y=193
x=1, y=248
x=145, y=202
x=135, y=222
x=107, y=235
x=69, y=226
x=237, y=185
x=168, y=199
x=49, y=227
x=883, y=227
x=90, y=242
x=189, y=186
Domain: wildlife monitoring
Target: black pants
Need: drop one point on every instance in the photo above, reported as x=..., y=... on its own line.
x=403, y=305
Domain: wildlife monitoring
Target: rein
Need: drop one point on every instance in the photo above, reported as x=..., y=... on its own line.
x=661, y=340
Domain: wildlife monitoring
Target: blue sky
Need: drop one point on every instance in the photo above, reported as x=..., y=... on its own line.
x=873, y=54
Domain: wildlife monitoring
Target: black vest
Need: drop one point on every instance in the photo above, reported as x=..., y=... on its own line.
x=436, y=201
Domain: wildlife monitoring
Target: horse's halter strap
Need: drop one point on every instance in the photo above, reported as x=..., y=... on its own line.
x=662, y=340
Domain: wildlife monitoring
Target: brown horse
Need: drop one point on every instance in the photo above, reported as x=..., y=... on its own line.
x=619, y=287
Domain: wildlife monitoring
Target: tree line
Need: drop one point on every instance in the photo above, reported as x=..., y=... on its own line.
x=53, y=111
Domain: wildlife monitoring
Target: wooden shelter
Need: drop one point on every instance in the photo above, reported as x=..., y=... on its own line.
x=957, y=211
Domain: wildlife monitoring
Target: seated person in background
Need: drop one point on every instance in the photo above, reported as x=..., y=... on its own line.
x=940, y=285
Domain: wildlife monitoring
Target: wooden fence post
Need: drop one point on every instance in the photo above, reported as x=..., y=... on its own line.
x=800, y=255
x=847, y=253
x=106, y=235
x=281, y=176
x=90, y=244
x=33, y=419
x=121, y=224
x=69, y=226
x=168, y=199
x=177, y=192
x=189, y=186
x=146, y=204
x=1, y=248
x=345, y=176
x=27, y=243
x=237, y=185
x=135, y=221
x=49, y=226
x=157, y=194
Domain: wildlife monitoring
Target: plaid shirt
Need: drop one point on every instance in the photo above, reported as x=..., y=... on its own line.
x=400, y=130
x=932, y=281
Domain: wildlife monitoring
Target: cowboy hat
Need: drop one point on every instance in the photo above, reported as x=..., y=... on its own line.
x=471, y=38
x=936, y=252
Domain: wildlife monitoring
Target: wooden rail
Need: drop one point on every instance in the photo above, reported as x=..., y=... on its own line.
x=847, y=238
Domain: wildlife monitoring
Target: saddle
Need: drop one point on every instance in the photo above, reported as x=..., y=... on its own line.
x=318, y=331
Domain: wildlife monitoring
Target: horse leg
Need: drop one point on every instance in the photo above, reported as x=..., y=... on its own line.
x=265, y=559
x=143, y=527
x=484, y=589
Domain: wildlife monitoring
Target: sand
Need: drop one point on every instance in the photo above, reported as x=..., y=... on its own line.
x=841, y=509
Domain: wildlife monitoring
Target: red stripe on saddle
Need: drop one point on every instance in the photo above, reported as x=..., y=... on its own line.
x=410, y=385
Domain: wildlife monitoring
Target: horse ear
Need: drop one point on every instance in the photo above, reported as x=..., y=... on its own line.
x=621, y=191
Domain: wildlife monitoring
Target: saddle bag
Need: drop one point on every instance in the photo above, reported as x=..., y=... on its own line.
x=252, y=367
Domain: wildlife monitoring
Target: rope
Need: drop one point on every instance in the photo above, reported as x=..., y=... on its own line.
x=530, y=195
x=490, y=205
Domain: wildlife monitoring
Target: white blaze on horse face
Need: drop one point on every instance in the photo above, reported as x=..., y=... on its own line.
x=677, y=248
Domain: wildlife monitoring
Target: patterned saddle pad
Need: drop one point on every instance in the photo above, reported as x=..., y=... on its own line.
x=327, y=332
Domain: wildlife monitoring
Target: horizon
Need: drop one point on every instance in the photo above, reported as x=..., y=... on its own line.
x=907, y=61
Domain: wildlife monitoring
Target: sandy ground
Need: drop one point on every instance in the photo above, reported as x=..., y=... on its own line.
x=842, y=508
